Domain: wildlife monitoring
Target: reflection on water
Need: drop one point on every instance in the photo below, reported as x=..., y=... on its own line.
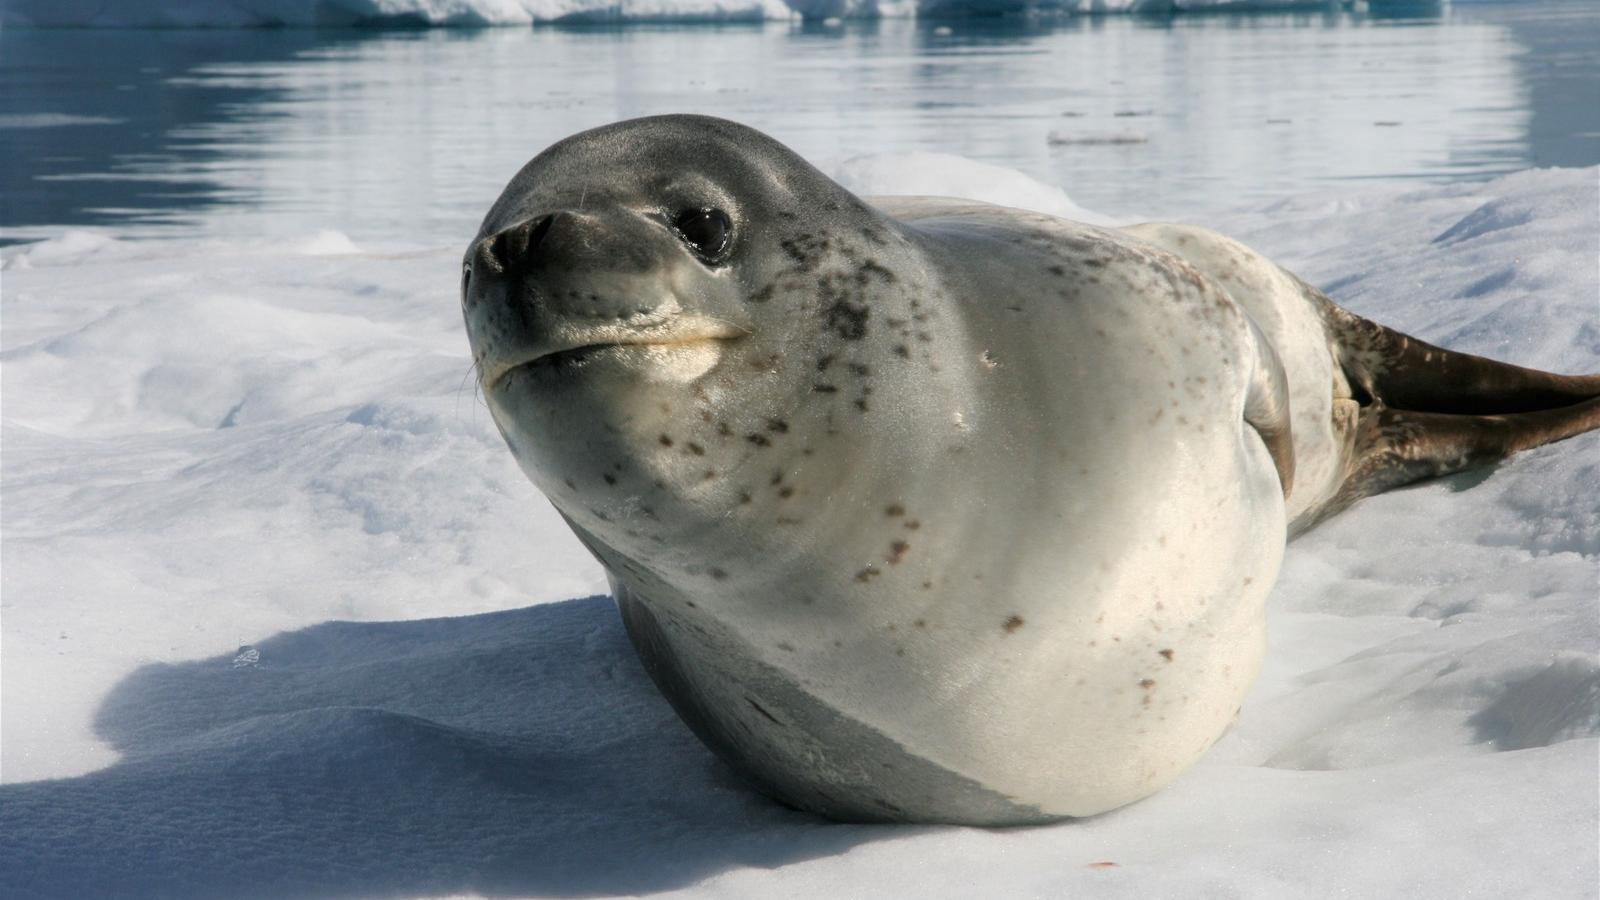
x=411, y=135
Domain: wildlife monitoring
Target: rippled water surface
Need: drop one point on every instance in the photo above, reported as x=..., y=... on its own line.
x=410, y=135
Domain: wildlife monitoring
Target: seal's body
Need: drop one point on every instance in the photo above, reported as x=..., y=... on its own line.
x=938, y=511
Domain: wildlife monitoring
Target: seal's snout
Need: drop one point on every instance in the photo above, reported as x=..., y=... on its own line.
x=567, y=243
x=569, y=271
x=605, y=288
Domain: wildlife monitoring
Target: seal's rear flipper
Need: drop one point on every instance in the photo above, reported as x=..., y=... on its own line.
x=1405, y=373
x=1425, y=411
x=1394, y=447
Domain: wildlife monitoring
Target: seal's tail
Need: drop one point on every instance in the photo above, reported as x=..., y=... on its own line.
x=1425, y=411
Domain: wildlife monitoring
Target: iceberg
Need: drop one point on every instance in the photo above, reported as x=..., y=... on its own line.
x=485, y=13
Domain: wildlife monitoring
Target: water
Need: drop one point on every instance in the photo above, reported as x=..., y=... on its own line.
x=410, y=135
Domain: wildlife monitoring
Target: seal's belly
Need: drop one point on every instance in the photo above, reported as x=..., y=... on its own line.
x=1021, y=688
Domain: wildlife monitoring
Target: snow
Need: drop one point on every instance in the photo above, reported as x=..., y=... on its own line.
x=924, y=174
x=477, y=13
x=282, y=618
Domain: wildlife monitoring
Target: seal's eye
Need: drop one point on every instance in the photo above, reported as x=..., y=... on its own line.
x=708, y=231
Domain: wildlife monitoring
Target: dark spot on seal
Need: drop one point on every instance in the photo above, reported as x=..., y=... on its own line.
x=760, y=440
x=764, y=294
x=824, y=362
x=872, y=268
x=666, y=441
x=861, y=404
x=1057, y=271
x=568, y=483
x=778, y=425
x=744, y=497
x=804, y=249
x=777, y=477
x=894, y=510
x=696, y=449
x=1167, y=655
x=902, y=351
x=708, y=474
x=867, y=574
x=785, y=645
x=1147, y=683
x=860, y=370
x=1012, y=624
x=847, y=320
x=718, y=574
x=610, y=478
x=786, y=492
x=723, y=430
x=913, y=524
x=824, y=389
x=897, y=551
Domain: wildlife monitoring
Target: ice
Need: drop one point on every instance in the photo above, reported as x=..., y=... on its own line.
x=310, y=13
x=282, y=617
x=473, y=13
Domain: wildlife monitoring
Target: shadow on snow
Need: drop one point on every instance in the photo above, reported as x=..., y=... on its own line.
x=507, y=753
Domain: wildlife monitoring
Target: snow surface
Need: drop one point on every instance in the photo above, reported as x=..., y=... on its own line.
x=471, y=13
x=923, y=174
x=282, y=618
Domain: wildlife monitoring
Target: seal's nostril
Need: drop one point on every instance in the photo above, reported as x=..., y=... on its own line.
x=541, y=227
x=511, y=248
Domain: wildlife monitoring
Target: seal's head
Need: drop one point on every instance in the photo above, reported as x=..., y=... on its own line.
x=652, y=305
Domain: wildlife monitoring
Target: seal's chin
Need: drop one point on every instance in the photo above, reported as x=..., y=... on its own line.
x=675, y=360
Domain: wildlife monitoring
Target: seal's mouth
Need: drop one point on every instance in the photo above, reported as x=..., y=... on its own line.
x=693, y=346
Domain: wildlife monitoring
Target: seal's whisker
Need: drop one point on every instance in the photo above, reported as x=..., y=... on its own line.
x=475, y=372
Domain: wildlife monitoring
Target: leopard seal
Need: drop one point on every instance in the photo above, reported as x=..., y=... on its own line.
x=925, y=510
